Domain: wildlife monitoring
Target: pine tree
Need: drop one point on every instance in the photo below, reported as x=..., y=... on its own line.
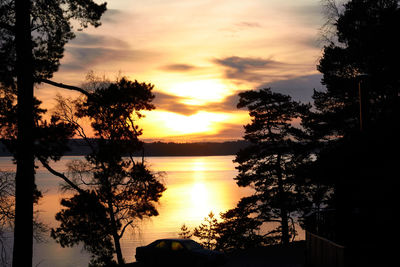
x=25, y=60
x=269, y=164
x=185, y=232
x=112, y=190
x=207, y=231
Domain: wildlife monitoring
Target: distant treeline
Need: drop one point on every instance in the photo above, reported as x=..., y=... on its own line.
x=78, y=147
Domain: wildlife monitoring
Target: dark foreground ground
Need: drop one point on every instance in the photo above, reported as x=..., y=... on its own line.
x=271, y=256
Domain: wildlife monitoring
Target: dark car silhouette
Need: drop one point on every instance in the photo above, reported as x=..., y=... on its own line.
x=178, y=252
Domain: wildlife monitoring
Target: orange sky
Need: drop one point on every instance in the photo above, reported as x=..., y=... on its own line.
x=199, y=54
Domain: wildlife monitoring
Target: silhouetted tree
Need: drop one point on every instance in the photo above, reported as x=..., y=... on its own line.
x=24, y=59
x=363, y=56
x=50, y=143
x=6, y=210
x=360, y=70
x=112, y=189
x=269, y=163
x=240, y=230
x=7, y=215
x=359, y=66
x=50, y=136
x=51, y=27
x=207, y=231
x=25, y=179
x=185, y=232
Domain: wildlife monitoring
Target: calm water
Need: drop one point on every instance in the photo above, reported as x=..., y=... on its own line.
x=195, y=186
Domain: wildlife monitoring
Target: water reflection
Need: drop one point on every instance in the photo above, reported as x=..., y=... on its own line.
x=195, y=186
x=199, y=165
x=205, y=184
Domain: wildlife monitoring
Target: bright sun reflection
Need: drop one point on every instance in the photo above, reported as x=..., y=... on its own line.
x=199, y=194
x=200, y=92
x=198, y=165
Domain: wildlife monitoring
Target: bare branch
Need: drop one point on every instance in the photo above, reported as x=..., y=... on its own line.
x=293, y=228
x=67, y=113
x=332, y=10
x=123, y=229
x=65, y=86
x=62, y=176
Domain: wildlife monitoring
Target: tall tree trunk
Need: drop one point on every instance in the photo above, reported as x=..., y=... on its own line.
x=282, y=200
x=115, y=235
x=25, y=178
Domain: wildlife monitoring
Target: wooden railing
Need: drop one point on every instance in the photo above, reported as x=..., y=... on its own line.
x=322, y=252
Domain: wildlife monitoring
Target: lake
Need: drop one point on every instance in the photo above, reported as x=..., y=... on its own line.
x=195, y=186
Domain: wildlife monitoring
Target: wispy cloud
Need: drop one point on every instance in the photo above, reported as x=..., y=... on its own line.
x=248, y=24
x=242, y=26
x=228, y=104
x=96, y=40
x=299, y=88
x=113, y=16
x=173, y=103
x=246, y=68
x=84, y=58
x=178, y=67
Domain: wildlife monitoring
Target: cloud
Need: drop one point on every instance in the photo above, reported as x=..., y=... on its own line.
x=113, y=16
x=173, y=103
x=248, y=24
x=83, y=58
x=88, y=50
x=299, y=88
x=242, y=64
x=246, y=68
x=178, y=67
x=94, y=40
x=236, y=28
x=228, y=104
x=228, y=131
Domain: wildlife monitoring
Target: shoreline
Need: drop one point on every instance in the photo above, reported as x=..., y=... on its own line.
x=78, y=147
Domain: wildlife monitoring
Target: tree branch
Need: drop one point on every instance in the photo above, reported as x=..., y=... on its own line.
x=293, y=228
x=65, y=86
x=123, y=229
x=62, y=176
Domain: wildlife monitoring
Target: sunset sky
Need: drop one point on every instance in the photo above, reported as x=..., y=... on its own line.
x=199, y=54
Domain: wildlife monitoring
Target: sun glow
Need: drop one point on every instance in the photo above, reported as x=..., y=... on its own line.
x=200, y=92
x=163, y=123
x=197, y=123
